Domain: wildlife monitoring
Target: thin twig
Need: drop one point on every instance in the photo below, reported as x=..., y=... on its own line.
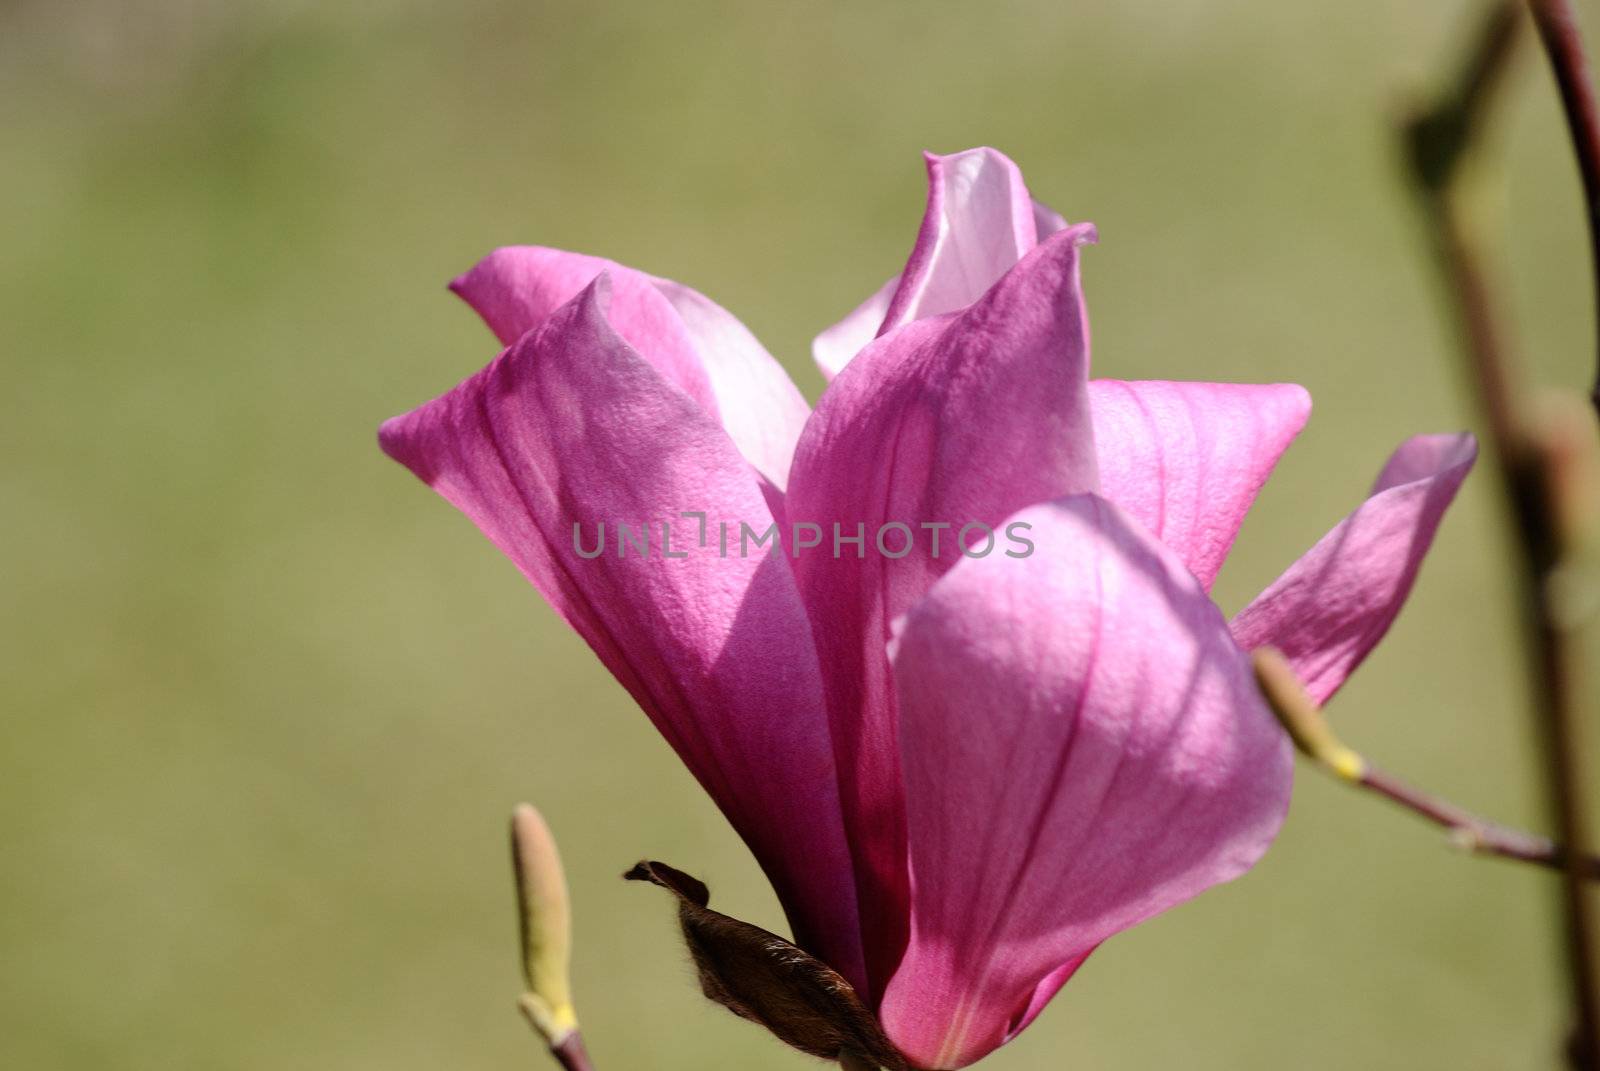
x=1439, y=140
x=1471, y=832
x=571, y=1054
x=567, y=1047
x=1563, y=43
x=1311, y=734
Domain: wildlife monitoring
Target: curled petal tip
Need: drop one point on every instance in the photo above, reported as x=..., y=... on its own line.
x=1329, y=609
x=988, y=153
x=395, y=440
x=388, y=432
x=1424, y=457
x=597, y=295
x=1081, y=234
x=458, y=285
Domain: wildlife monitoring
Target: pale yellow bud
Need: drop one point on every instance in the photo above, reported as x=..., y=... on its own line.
x=546, y=918
x=1300, y=716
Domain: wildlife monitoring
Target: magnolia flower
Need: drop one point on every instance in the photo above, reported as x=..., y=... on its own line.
x=962, y=772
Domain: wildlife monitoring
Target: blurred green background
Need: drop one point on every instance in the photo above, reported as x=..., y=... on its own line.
x=269, y=701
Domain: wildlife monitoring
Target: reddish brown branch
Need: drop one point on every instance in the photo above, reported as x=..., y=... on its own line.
x=1439, y=139
x=1563, y=43
x=1471, y=832
x=571, y=1054
x=1309, y=730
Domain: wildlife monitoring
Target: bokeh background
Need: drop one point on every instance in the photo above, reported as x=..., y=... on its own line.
x=268, y=701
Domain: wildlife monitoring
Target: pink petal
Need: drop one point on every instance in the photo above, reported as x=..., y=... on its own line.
x=762, y=410
x=979, y=222
x=1084, y=747
x=690, y=339
x=958, y=419
x=834, y=347
x=516, y=288
x=1046, y=220
x=1333, y=605
x=571, y=426
x=1186, y=459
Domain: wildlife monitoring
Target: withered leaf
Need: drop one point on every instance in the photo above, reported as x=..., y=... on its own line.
x=761, y=977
